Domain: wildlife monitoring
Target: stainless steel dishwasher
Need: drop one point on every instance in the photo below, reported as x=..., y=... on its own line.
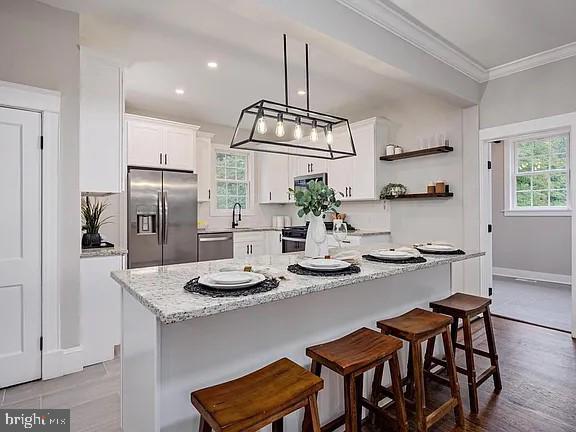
x=215, y=246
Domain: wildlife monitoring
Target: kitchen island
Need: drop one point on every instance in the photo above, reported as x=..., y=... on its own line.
x=174, y=342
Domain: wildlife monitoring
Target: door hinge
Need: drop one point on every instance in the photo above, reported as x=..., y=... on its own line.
x=41, y=142
x=41, y=343
x=489, y=228
x=490, y=291
x=489, y=164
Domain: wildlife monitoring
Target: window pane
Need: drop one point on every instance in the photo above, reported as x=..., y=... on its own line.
x=221, y=188
x=241, y=162
x=541, y=147
x=220, y=172
x=242, y=201
x=220, y=158
x=541, y=163
x=524, y=165
x=242, y=188
x=558, y=198
x=221, y=202
x=523, y=183
x=231, y=173
x=559, y=144
x=558, y=161
x=231, y=201
x=241, y=174
x=523, y=199
x=525, y=149
x=540, y=199
x=232, y=189
x=540, y=182
x=558, y=181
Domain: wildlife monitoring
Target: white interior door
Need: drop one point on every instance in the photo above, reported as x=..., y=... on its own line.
x=20, y=246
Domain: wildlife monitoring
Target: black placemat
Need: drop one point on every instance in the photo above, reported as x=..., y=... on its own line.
x=267, y=284
x=299, y=270
x=456, y=252
x=412, y=260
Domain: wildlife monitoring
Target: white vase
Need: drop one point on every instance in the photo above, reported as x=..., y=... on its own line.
x=316, y=238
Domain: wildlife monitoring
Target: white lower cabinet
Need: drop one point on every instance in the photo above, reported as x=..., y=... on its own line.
x=254, y=243
x=353, y=240
x=274, y=242
x=100, y=300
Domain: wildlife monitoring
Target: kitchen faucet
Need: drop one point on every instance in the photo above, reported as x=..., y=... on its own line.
x=234, y=221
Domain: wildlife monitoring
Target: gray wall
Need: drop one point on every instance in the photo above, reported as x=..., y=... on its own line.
x=538, y=244
x=38, y=47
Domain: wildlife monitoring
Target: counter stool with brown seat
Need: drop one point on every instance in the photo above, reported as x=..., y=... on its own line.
x=261, y=398
x=351, y=356
x=416, y=327
x=464, y=307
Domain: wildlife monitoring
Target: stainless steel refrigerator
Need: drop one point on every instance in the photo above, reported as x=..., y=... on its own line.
x=162, y=217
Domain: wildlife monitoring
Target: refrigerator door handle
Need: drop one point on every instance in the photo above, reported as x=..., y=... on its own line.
x=165, y=218
x=159, y=217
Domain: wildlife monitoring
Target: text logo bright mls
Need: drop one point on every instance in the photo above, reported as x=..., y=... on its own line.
x=35, y=420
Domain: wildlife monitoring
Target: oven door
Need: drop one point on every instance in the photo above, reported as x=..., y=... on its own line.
x=290, y=244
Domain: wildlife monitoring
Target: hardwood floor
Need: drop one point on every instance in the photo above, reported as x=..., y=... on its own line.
x=538, y=372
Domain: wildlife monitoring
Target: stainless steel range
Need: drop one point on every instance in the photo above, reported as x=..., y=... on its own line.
x=294, y=239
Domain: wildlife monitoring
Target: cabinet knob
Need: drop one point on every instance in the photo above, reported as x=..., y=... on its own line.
x=165, y=159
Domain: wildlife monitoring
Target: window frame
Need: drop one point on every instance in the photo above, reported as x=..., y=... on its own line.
x=510, y=161
x=250, y=210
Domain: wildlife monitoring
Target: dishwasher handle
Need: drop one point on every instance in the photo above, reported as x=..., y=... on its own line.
x=214, y=239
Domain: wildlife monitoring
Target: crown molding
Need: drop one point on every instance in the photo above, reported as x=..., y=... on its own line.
x=532, y=61
x=396, y=21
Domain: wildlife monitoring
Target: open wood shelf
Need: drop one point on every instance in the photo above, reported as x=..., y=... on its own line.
x=422, y=195
x=418, y=153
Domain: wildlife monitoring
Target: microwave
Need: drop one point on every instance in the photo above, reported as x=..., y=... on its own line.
x=301, y=182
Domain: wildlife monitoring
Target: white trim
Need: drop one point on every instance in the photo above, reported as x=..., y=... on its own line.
x=533, y=61
x=395, y=20
x=527, y=274
x=60, y=362
x=540, y=212
x=47, y=102
x=137, y=117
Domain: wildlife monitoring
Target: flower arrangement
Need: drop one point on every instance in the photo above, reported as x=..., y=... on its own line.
x=317, y=199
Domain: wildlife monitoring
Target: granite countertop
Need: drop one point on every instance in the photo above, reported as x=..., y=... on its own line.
x=103, y=252
x=356, y=233
x=160, y=289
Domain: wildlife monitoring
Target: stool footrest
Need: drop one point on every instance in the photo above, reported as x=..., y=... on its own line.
x=440, y=412
x=485, y=375
x=439, y=362
x=334, y=424
x=474, y=350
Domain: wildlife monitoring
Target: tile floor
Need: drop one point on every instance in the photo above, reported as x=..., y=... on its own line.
x=542, y=303
x=93, y=396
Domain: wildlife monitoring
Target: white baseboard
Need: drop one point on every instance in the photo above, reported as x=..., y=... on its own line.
x=60, y=362
x=527, y=274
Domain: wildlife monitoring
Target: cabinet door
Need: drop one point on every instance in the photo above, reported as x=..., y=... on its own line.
x=145, y=144
x=203, y=168
x=241, y=249
x=274, y=242
x=340, y=175
x=180, y=148
x=363, y=183
x=101, y=110
x=274, y=178
x=257, y=248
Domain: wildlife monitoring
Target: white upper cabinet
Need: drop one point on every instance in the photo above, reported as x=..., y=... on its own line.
x=274, y=178
x=160, y=144
x=204, y=164
x=101, y=111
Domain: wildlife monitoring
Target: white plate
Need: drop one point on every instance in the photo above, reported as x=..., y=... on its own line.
x=391, y=254
x=231, y=277
x=256, y=279
x=437, y=248
x=324, y=264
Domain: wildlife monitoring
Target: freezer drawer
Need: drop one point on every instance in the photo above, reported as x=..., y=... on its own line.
x=215, y=246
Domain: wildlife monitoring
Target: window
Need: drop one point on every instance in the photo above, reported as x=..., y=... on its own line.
x=539, y=173
x=232, y=180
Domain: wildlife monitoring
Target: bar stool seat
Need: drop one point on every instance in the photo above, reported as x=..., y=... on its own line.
x=258, y=399
x=351, y=356
x=461, y=305
x=414, y=325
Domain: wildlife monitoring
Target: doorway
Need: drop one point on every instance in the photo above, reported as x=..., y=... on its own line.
x=21, y=246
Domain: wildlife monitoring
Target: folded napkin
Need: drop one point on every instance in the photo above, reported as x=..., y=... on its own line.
x=351, y=256
x=269, y=272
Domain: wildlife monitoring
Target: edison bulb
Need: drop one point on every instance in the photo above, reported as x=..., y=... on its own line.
x=280, y=127
x=261, y=126
x=329, y=135
x=314, y=132
x=298, y=132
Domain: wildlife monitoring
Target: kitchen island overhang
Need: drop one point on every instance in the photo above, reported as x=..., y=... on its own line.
x=175, y=342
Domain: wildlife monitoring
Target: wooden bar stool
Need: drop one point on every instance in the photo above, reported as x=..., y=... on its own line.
x=415, y=327
x=351, y=356
x=464, y=307
x=259, y=399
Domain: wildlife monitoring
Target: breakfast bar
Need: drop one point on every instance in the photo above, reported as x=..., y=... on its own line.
x=175, y=342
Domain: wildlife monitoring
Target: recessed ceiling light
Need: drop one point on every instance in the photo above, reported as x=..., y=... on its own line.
x=179, y=91
x=301, y=92
x=212, y=65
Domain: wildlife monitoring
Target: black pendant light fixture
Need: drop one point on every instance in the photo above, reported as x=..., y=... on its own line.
x=274, y=127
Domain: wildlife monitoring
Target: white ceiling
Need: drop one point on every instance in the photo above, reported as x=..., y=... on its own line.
x=166, y=45
x=495, y=32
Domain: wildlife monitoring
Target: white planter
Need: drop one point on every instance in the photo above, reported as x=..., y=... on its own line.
x=316, y=238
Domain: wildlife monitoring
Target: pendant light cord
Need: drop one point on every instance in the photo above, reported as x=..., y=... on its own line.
x=307, y=82
x=285, y=74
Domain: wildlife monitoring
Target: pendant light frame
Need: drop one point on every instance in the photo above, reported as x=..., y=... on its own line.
x=268, y=109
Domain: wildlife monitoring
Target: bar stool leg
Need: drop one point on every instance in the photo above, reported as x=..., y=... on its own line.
x=204, y=426
x=312, y=411
x=420, y=397
x=492, y=349
x=470, y=368
x=454, y=333
x=278, y=425
x=453, y=377
x=307, y=423
x=410, y=375
x=399, y=395
x=350, y=404
x=429, y=353
x=376, y=383
x=359, y=384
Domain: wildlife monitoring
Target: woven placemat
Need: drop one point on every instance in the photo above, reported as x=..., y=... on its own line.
x=299, y=270
x=456, y=252
x=413, y=260
x=267, y=284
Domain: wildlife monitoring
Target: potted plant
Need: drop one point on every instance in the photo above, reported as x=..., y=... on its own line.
x=92, y=221
x=315, y=201
x=392, y=190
